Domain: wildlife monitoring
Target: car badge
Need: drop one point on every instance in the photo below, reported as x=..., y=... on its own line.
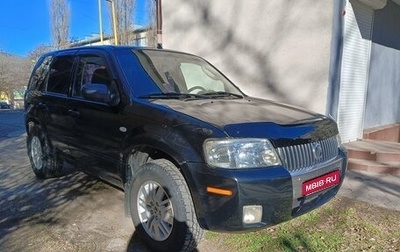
x=317, y=151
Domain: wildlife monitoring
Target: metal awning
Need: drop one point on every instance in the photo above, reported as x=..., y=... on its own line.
x=397, y=1
x=375, y=4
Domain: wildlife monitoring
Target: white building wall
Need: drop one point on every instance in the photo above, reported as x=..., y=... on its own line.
x=272, y=49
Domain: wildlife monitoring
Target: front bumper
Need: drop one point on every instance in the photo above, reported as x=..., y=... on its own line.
x=275, y=189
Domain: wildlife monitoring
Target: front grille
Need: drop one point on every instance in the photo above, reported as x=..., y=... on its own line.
x=299, y=157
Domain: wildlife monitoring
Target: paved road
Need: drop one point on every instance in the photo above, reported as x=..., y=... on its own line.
x=376, y=189
x=11, y=123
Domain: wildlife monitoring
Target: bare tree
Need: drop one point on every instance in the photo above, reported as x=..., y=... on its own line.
x=151, y=14
x=5, y=60
x=34, y=54
x=124, y=10
x=14, y=74
x=60, y=15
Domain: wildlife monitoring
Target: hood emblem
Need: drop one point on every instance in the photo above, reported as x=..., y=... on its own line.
x=317, y=151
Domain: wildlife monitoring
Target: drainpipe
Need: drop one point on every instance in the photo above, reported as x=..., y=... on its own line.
x=159, y=24
x=335, y=64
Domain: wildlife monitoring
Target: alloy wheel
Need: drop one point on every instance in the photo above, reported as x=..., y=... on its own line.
x=155, y=211
x=37, y=153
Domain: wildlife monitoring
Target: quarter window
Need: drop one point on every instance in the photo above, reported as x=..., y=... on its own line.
x=40, y=73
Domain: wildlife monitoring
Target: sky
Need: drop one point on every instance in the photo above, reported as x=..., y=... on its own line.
x=25, y=24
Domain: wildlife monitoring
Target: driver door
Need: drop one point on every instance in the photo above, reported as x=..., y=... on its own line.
x=96, y=131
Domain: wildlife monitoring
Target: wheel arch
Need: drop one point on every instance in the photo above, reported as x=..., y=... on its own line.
x=161, y=145
x=146, y=149
x=30, y=122
x=141, y=153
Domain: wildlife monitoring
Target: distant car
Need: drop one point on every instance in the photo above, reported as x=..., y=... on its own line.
x=5, y=105
x=190, y=150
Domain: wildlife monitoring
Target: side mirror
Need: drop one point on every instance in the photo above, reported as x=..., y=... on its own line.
x=99, y=93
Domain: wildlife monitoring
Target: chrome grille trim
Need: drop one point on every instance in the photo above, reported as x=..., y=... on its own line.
x=298, y=157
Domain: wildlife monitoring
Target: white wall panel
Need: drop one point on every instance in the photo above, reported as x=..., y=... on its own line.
x=355, y=69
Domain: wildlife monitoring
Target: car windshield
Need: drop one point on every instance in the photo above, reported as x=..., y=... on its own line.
x=180, y=75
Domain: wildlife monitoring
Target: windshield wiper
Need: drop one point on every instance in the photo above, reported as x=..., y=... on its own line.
x=221, y=94
x=172, y=95
x=187, y=96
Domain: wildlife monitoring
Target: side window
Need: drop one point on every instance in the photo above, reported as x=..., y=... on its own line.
x=60, y=75
x=91, y=69
x=39, y=73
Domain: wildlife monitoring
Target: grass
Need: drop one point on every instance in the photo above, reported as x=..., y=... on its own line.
x=340, y=225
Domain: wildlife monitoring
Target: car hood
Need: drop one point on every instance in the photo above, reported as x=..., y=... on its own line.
x=223, y=112
x=257, y=118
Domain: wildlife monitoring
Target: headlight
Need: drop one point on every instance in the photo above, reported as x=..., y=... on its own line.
x=240, y=153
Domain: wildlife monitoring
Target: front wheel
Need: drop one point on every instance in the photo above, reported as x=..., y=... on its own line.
x=162, y=209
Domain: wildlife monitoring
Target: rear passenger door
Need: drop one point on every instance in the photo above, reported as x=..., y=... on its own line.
x=97, y=137
x=52, y=108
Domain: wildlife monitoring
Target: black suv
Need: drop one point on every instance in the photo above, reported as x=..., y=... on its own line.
x=190, y=150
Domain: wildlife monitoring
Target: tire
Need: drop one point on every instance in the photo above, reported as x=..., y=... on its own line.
x=43, y=158
x=162, y=209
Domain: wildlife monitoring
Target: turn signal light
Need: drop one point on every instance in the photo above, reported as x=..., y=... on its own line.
x=219, y=191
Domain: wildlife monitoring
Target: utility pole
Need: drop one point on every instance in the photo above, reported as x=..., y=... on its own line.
x=114, y=21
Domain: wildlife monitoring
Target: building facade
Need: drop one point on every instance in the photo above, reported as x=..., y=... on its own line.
x=364, y=89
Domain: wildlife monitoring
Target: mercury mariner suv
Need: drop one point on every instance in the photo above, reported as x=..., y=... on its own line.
x=189, y=149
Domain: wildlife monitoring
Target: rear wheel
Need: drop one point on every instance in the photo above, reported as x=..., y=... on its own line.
x=162, y=209
x=43, y=159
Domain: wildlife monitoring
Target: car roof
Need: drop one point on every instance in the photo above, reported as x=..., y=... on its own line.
x=110, y=48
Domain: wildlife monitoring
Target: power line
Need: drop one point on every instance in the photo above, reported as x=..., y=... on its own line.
x=12, y=27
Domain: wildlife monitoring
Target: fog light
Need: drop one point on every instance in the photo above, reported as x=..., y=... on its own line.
x=252, y=214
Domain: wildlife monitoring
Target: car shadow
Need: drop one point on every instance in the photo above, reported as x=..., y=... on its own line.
x=29, y=206
x=136, y=244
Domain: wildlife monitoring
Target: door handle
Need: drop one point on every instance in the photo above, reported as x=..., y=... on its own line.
x=74, y=112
